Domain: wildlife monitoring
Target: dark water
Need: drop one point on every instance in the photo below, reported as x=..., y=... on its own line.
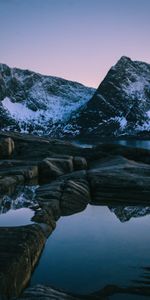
x=145, y=144
x=135, y=143
x=93, y=249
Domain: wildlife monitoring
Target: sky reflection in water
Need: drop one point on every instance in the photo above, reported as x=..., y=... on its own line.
x=92, y=249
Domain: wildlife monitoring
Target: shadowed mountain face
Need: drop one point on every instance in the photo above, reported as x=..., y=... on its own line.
x=121, y=104
x=41, y=104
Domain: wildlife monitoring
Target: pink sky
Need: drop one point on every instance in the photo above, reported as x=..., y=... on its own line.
x=75, y=39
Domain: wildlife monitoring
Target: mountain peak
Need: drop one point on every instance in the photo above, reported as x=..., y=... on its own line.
x=123, y=61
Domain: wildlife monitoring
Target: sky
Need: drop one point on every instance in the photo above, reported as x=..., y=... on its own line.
x=75, y=39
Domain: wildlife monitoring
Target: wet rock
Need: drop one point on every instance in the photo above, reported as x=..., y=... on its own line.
x=20, y=248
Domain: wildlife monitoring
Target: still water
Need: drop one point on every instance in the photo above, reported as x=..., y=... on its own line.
x=18, y=217
x=135, y=143
x=93, y=249
x=144, y=144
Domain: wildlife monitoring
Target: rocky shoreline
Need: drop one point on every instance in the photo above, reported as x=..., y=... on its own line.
x=69, y=178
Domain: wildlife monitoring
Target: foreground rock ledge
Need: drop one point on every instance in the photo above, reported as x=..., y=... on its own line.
x=74, y=177
x=20, y=248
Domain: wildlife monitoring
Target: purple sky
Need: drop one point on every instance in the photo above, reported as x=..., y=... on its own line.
x=75, y=39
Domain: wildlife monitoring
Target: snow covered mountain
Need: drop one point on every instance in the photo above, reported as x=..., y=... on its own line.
x=124, y=214
x=31, y=102
x=35, y=103
x=120, y=105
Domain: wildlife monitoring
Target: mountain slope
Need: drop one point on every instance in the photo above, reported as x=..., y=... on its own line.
x=41, y=104
x=36, y=103
x=120, y=105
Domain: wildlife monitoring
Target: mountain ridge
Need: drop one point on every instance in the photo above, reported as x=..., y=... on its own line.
x=58, y=107
x=121, y=104
x=34, y=102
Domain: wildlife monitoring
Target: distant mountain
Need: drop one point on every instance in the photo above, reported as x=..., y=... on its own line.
x=126, y=213
x=41, y=104
x=120, y=105
x=31, y=102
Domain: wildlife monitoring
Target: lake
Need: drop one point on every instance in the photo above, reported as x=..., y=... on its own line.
x=95, y=248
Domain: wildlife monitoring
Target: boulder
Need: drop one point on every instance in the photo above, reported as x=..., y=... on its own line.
x=7, y=147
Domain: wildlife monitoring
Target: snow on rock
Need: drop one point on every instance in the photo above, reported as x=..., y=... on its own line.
x=37, y=103
x=18, y=111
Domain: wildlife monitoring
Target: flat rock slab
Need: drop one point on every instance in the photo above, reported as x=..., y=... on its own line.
x=119, y=180
x=20, y=248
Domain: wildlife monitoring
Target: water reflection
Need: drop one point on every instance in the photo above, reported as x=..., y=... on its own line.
x=17, y=217
x=93, y=249
x=22, y=196
x=16, y=208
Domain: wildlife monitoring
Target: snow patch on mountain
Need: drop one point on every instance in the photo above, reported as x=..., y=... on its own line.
x=136, y=88
x=18, y=111
x=121, y=121
x=36, y=103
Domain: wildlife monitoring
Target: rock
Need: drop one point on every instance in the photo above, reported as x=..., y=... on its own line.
x=79, y=163
x=119, y=180
x=8, y=183
x=51, y=168
x=64, y=196
x=75, y=197
x=49, y=196
x=20, y=248
x=7, y=147
x=45, y=216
